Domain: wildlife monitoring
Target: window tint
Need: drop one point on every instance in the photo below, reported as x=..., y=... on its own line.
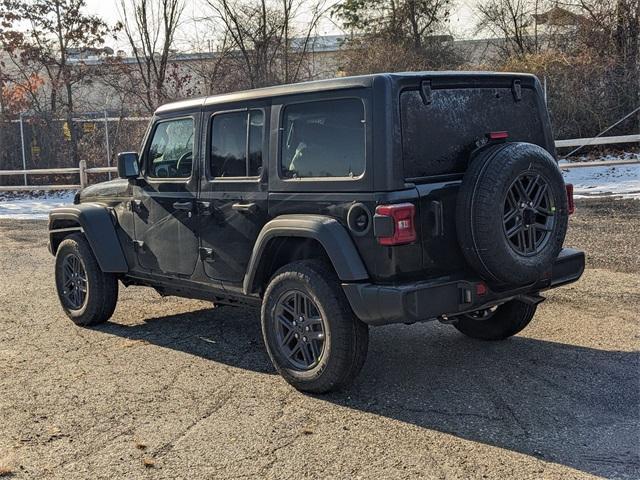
x=323, y=139
x=171, y=151
x=438, y=138
x=236, y=144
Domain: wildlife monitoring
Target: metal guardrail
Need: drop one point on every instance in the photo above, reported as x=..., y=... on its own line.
x=83, y=171
x=577, y=142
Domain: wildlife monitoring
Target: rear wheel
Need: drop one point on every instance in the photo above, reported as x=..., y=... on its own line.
x=88, y=295
x=312, y=337
x=496, y=323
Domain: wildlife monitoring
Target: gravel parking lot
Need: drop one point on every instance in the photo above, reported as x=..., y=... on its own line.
x=173, y=388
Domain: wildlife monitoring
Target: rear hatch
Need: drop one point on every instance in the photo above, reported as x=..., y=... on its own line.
x=443, y=121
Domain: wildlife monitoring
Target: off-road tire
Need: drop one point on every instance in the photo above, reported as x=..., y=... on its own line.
x=480, y=213
x=102, y=288
x=507, y=320
x=346, y=337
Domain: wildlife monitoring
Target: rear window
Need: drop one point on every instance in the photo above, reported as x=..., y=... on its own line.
x=437, y=138
x=323, y=139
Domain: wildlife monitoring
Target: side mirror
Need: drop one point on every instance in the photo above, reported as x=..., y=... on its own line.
x=128, y=165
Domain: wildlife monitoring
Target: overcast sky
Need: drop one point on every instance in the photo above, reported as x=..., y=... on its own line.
x=462, y=19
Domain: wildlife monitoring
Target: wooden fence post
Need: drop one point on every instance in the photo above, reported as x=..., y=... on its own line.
x=83, y=174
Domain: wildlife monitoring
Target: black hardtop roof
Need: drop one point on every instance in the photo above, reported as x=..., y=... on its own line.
x=361, y=81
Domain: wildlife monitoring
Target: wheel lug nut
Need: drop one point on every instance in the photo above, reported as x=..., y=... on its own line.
x=304, y=339
x=306, y=329
x=295, y=335
x=294, y=323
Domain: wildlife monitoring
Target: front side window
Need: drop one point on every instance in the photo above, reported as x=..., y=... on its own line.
x=236, y=144
x=323, y=139
x=171, y=149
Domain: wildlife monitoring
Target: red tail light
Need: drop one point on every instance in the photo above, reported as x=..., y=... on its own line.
x=498, y=135
x=404, y=227
x=571, y=206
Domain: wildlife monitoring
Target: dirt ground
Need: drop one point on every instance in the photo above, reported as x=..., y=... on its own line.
x=172, y=388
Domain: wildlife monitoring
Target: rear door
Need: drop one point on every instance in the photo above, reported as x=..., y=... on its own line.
x=441, y=127
x=163, y=205
x=233, y=201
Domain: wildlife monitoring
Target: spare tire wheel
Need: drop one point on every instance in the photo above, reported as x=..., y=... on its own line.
x=511, y=214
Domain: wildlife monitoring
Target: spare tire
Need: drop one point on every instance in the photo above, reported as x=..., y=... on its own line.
x=511, y=213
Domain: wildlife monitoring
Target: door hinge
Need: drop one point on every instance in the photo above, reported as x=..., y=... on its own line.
x=206, y=254
x=425, y=92
x=516, y=88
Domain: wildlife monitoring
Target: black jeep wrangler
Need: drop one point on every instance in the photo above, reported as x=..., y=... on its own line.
x=335, y=205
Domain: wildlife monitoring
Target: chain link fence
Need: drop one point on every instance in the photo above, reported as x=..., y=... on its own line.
x=42, y=142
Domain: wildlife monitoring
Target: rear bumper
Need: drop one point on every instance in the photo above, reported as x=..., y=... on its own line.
x=449, y=296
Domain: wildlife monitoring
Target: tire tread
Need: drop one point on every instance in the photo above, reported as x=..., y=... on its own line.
x=102, y=287
x=349, y=336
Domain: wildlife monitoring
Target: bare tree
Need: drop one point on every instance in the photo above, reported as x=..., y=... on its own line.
x=586, y=50
x=402, y=21
x=212, y=66
x=39, y=37
x=150, y=27
x=266, y=41
x=391, y=35
x=514, y=24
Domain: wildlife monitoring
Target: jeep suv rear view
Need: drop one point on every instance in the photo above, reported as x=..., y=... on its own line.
x=333, y=206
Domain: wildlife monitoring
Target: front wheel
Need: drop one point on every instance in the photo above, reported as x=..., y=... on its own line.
x=88, y=295
x=311, y=335
x=497, y=323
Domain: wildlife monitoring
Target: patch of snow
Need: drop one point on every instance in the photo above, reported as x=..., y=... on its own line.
x=32, y=205
x=605, y=157
x=622, y=181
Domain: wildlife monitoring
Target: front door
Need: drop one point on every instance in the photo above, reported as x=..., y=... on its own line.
x=164, y=200
x=233, y=198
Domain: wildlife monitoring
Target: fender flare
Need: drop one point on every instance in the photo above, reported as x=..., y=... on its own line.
x=326, y=230
x=98, y=227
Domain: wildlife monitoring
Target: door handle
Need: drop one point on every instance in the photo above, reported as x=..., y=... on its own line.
x=183, y=206
x=245, y=207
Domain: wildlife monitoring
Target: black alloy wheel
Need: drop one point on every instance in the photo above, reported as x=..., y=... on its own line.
x=87, y=294
x=311, y=334
x=74, y=278
x=529, y=214
x=511, y=213
x=300, y=329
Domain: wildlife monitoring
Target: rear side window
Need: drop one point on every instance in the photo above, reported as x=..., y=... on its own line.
x=236, y=144
x=438, y=138
x=323, y=139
